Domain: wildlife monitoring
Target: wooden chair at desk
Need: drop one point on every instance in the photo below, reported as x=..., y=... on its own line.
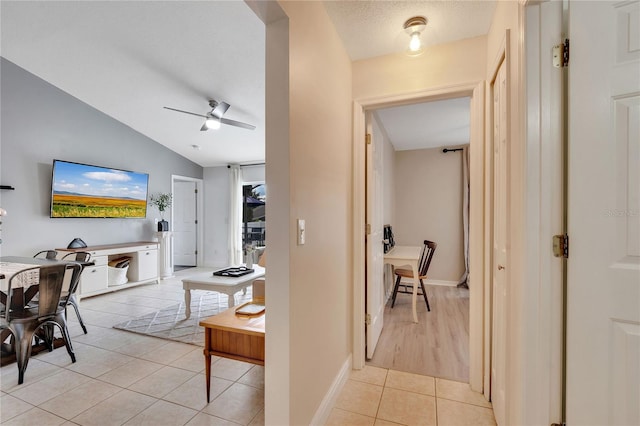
x=423, y=266
x=24, y=321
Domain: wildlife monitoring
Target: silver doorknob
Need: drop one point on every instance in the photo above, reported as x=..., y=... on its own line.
x=500, y=267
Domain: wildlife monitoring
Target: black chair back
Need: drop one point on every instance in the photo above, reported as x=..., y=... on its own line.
x=47, y=254
x=78, y=256
x=428, y=250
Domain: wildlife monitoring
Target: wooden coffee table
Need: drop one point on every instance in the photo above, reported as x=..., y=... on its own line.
x=226, y=285
x=232, y=336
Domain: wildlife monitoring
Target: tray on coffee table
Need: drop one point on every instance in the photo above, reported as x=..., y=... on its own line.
x=236, y=271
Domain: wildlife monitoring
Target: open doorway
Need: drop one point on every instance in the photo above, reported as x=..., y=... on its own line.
x=186, y=217
x=477, y=320
x=423, y=194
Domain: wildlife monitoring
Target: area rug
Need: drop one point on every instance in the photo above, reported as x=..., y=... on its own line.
x=170, y=323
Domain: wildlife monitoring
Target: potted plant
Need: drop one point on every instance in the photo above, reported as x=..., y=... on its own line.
x=162, y=202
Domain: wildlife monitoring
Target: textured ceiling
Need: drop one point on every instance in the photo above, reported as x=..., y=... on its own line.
x=375, y=28
x=427, y=125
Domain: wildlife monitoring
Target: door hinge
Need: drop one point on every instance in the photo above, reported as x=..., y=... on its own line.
x=367, y=139
x=195, y=190
x=561, y=54
x=367, y=319
x=561, y=245
x=367, y=229
x=196, y=252
x=196, y=221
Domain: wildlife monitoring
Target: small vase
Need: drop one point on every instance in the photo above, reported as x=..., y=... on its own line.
x=249, y=260
x=163, y=226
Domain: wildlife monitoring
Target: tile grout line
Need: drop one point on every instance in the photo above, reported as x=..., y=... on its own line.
x=435, y=397
x=384, y=386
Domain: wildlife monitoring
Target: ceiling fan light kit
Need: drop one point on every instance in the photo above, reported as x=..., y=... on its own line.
x=213, y=119
x=212, y=124
x=414, y=27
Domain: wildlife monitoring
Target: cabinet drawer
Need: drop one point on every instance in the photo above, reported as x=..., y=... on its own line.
x=99, y=260
x=94, y=278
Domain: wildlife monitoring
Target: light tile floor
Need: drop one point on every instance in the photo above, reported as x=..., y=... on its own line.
x=124, y=378
x=377, y=396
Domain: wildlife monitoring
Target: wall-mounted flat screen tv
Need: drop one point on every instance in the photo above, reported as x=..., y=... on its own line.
x=82, y=190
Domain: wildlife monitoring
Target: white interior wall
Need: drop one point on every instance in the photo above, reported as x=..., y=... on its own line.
x=71, y=130
x=216, y=216
x=428, y=206
x=319, y=163
x=253, y=174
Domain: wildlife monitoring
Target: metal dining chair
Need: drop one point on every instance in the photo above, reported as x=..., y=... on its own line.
x=84, y=257
x=24, y=320
x=428, y=250
x=46, y=254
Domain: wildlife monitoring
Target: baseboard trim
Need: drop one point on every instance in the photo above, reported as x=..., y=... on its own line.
x=433, y=282
x=330, y=398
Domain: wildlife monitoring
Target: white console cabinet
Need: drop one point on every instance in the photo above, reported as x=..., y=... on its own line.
x=143, y=267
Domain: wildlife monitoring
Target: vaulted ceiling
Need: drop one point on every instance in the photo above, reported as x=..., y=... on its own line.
x=130, y=59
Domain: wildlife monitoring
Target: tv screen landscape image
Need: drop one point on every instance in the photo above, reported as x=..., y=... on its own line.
x=82, y=190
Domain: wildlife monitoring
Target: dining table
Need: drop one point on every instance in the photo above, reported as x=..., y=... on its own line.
x=403, y=256
x=24, y=289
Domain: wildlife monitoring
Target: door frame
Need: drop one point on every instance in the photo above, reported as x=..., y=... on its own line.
x=199, y=215
x=544, y=141
x=476, y=91
x=491, y=325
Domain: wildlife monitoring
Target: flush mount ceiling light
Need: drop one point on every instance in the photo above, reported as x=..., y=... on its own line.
x=414, y=26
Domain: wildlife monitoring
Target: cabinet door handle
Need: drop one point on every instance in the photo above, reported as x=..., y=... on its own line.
x=93, y=270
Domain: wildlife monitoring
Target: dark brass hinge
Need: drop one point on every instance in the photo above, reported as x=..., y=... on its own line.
x=561, y=54
x=561, y=245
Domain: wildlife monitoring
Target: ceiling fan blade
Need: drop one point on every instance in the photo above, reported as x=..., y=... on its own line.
x=237, y=123
x=220, y=109
x=186, y=112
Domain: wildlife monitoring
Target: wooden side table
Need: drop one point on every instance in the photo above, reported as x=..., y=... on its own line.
x=231, y=336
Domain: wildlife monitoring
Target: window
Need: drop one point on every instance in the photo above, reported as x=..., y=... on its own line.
x=254, y=199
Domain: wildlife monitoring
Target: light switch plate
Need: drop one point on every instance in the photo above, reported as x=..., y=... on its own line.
x=301, y=232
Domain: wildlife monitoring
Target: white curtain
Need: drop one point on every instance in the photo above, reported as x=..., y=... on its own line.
x=464, y=280
x=235, y=215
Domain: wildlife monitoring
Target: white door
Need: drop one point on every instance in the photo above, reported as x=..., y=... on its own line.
x=184, y=223
x=603, y=300
x=499, y=284
x=374, y=284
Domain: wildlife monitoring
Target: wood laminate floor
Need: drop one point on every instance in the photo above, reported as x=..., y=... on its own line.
x=437, y=346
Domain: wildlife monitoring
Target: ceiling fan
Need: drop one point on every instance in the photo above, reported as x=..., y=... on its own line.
x=214, y=118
